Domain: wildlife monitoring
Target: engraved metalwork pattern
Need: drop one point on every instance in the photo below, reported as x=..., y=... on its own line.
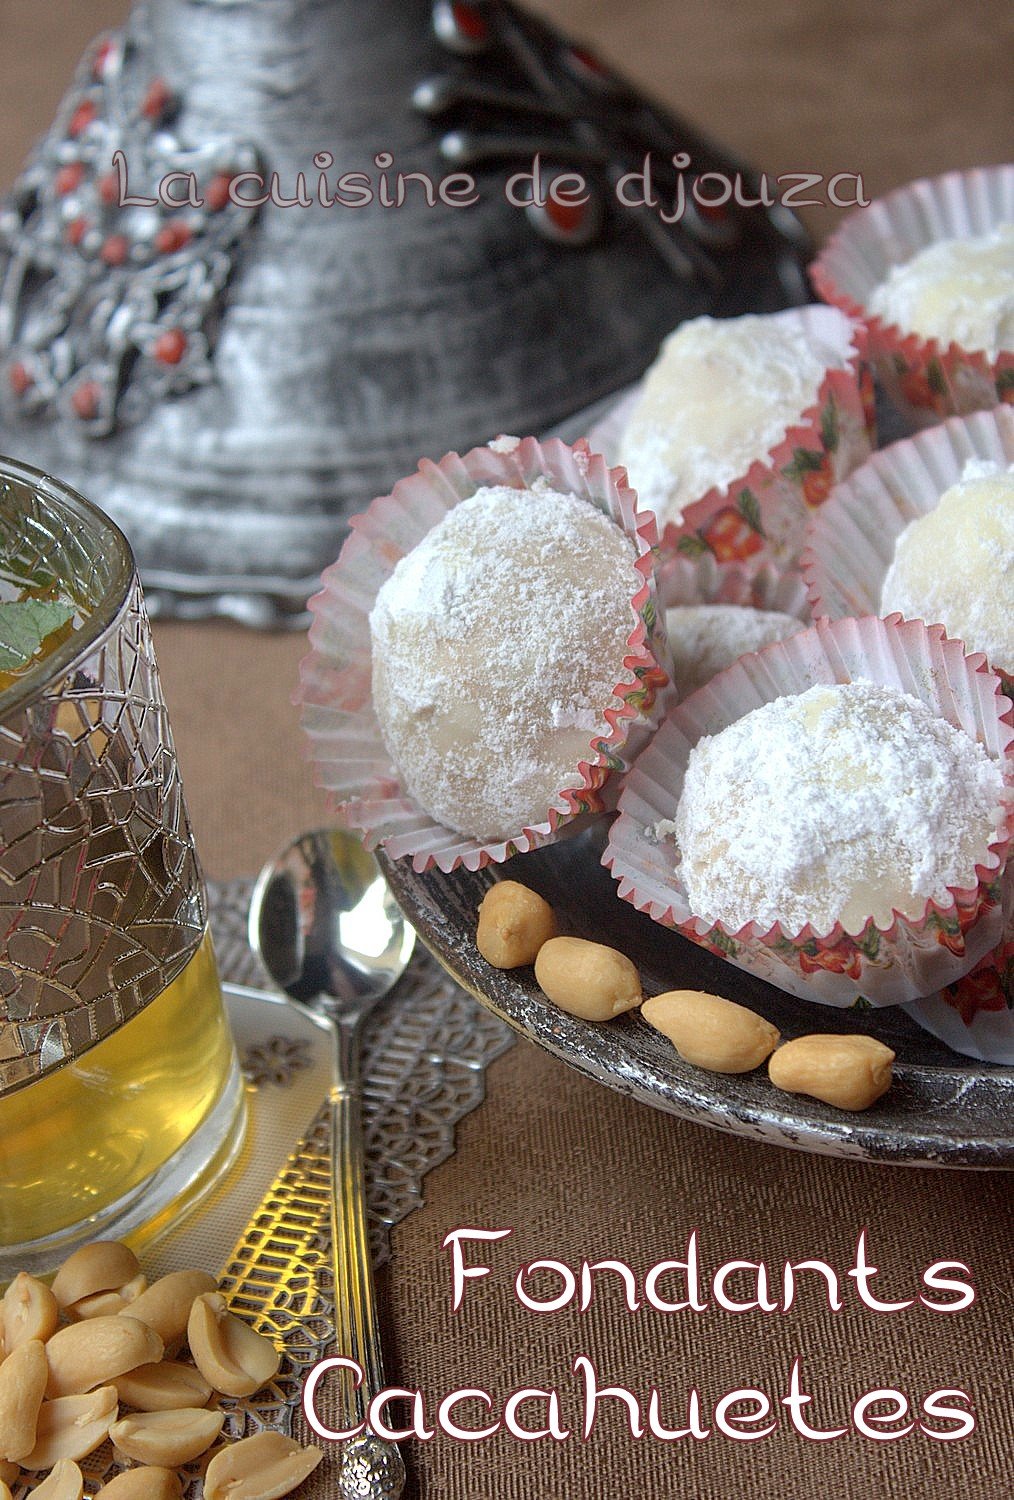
x=101, y=901
x=518, y=91
x=275, y=1061
x=108, y=306
x=425, y=1053
x=371, y=1469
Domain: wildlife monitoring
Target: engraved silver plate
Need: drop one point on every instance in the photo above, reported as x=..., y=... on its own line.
x=943, y=1110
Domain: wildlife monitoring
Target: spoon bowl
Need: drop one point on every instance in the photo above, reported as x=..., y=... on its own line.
x=324, y=922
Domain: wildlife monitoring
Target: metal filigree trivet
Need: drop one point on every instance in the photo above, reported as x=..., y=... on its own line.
x=424, y=1058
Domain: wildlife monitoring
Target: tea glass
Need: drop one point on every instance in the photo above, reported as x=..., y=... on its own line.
x=121, y=1100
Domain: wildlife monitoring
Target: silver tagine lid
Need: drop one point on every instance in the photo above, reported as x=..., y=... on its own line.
x=232, y=382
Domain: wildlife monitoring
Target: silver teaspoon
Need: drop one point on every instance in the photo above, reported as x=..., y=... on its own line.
x=332, y=937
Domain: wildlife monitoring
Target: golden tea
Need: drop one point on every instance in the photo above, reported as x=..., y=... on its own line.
x=86, y=1135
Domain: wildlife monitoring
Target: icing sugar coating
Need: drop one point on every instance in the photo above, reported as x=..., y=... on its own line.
x=839, y=804
x=706, y=638
x=722, y=393
x=954, y=566
x=955, y=291
x=497, y=645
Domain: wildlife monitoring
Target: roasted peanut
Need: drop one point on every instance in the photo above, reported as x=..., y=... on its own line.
x=118, y=1334
x=166, y=1305
x=84, y=1355
x=587, y=979
x=103, y=1266
x=29, y=1311
x=231, y=1356
x=108, y=1304
x=163, y=1387
x=167, y=1439
x=66, y=1482
x=263, y=1467
x=711, y=1032
x=148, y=1483
x=514, y=922
x=71, y=1427
x=23, y=1377
x=850, y=1072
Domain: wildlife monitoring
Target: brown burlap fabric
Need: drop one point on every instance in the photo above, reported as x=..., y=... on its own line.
x=577, y=1172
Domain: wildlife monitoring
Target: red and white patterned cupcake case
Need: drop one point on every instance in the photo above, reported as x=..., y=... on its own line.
x=850, y=543
x=345, y=742
x=736, y=544
x=925, y=380
x=975, y=1014
x=911, y=958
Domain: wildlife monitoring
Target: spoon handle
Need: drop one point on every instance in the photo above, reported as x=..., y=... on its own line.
x=371, y=1468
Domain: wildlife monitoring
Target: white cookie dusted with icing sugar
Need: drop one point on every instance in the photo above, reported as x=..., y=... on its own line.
x=955, y=291
x=721, y=394
x=497, y=644
x=704, y=639
x=954, y=566
x=843, y=803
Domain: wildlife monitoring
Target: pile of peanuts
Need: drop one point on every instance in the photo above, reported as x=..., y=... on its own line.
x=100, y=1337
x=517, y=927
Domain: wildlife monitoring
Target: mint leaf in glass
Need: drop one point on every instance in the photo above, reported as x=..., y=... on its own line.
x=25, y=624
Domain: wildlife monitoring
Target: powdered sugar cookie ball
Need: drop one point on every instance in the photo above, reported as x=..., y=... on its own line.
x=706, y=638
x=497, y=644
x=955, y=291
x=846, y=802
x=929, y=268
x=721, y=394
x=954, y=566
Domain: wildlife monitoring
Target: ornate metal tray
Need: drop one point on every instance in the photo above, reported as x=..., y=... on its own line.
x=943, y=1110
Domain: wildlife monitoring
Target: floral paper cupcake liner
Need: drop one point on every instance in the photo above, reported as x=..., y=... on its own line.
x=850, y=543
x=878, y=966
x=338, y=716
x=736, y=543
x=975, y=1014
x=924, y=380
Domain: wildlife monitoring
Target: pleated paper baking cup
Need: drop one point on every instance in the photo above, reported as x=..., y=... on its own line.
x=850, y=543
x=925, y=379
x=975, y=1014
x=702, y=581
x=877, y=966
x=742, y=539
x=338, y=715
